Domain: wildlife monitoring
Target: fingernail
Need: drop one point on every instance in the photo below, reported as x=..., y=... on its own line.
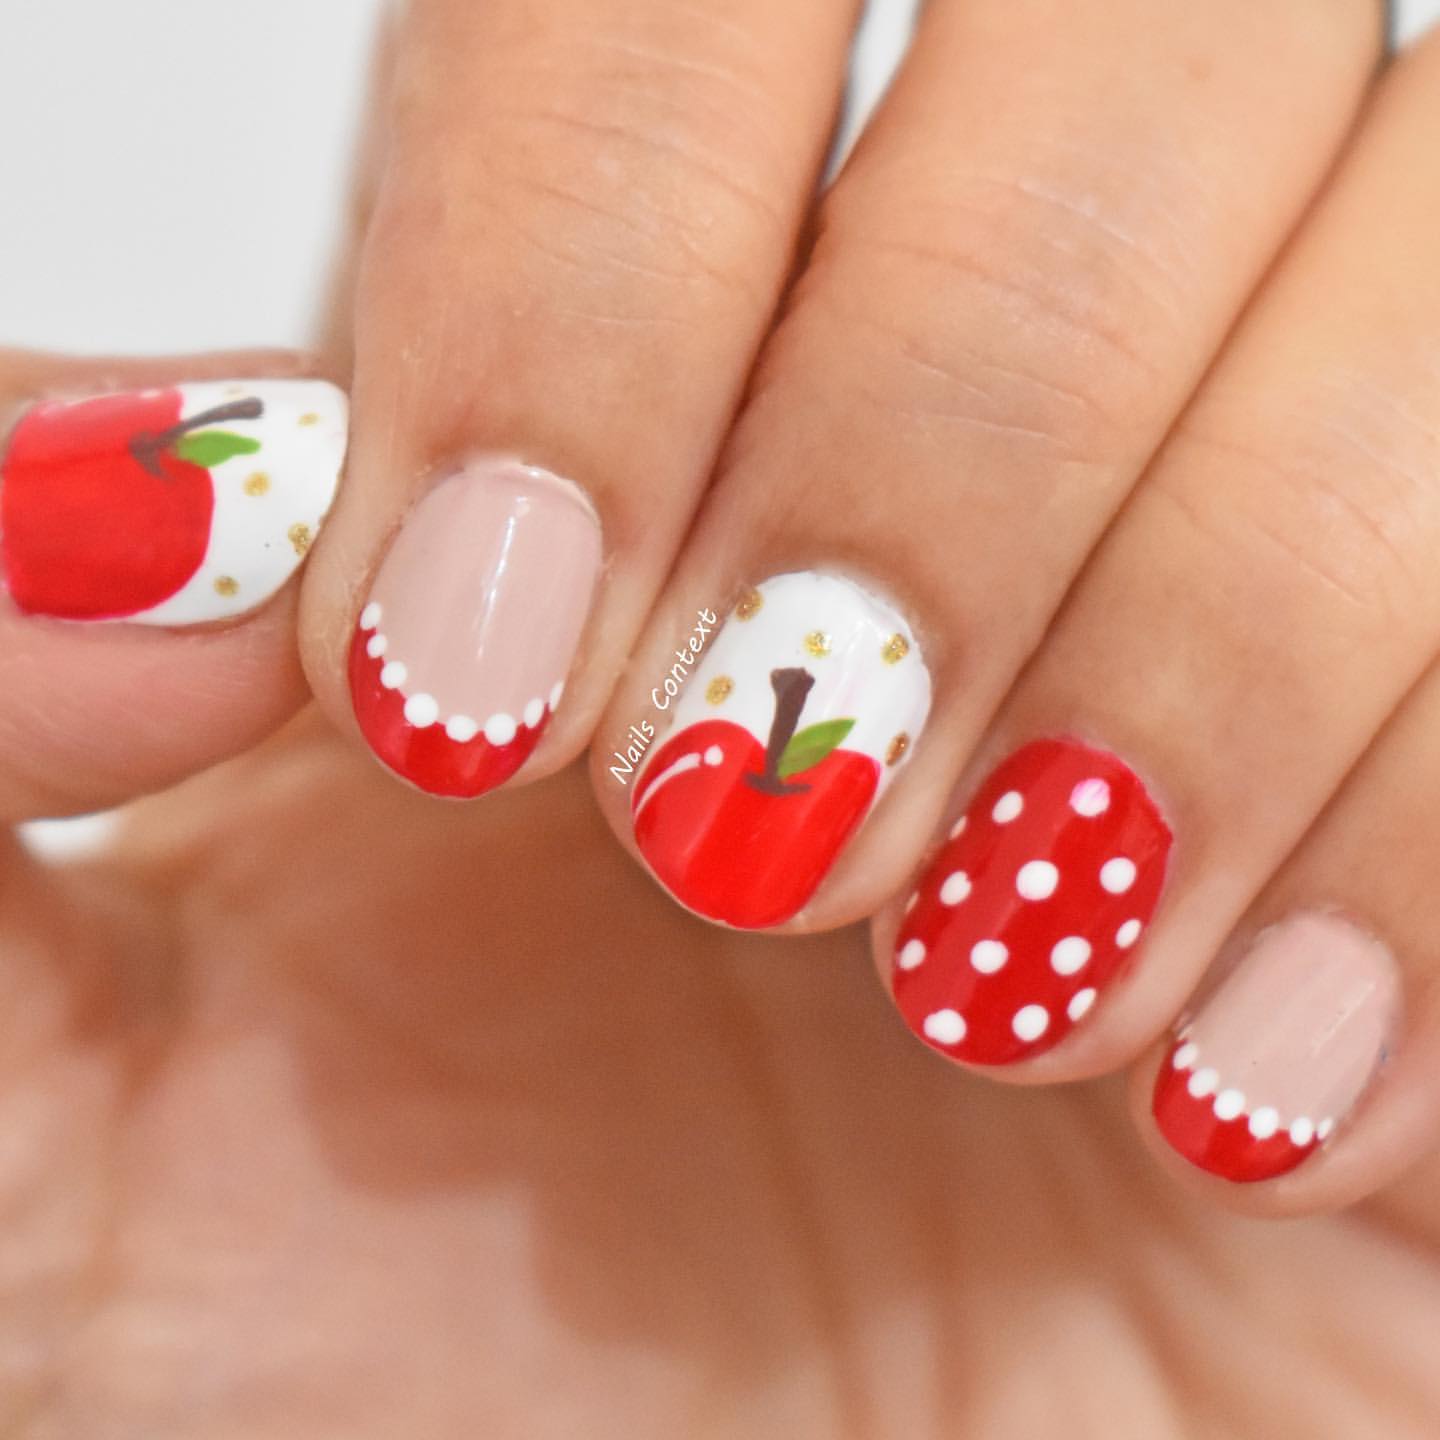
x=1033, y=907
x=461, y=651
x=174, y=506
x=1271, y=1064
x=803, y=707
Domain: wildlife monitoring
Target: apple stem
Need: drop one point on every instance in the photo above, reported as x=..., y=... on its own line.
x=792, y=688
x=146, y=446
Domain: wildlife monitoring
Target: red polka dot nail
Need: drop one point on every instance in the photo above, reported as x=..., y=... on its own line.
x=1035, y=904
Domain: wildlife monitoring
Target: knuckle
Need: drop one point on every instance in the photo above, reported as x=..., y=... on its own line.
x=628, y=160
x=1336, y=494
x=1003, y=305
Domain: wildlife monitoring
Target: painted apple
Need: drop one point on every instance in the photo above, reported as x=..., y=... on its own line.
x=106, y=503
x=741, y=831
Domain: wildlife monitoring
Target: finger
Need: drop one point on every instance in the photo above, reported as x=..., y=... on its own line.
x=1019, y=279
x=151, y=515
x=1315, y=1057
x=1244, y=630
x=584, y=222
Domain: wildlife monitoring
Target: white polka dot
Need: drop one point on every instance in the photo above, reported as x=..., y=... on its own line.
x=392, y=674
x=556, y=692
x=461, y=728
x=945, y=1027
x=1323, y=1129
x=1030, y=1022
x=1229, y=1104
x=500, y=729
x=1080, y=1003
x=534, y=713
x=1264, y=1122
x=1127, y=934
x=370, y=616
x=958, y=828
x=714, y=755
x=1090, y=798
x=1070, y=954
x=1117, y=875
x=421, y=710
x=987, y=956
x=375, y=646
x=1203, y=1083
x=955, y=889
x=912, y=952
x=1186, y=1055
x=1302, y=1132
x=1008, y=807
x=1037, y=880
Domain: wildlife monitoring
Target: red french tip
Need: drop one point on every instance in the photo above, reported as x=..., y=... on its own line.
x=1033, y=907
x=427, y=755
x=1224, y=1145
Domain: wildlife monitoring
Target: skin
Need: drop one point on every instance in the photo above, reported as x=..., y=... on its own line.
x=276, y=1169
x=339, y=1111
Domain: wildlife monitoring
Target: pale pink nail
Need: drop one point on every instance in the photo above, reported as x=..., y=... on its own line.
x=462, y=649
x=1282, y=1051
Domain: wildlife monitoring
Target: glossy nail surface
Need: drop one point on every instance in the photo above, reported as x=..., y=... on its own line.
x=802, y=708
x=1261, y=1076
x=171, y=506
x=460, y=654
x=1033, y=906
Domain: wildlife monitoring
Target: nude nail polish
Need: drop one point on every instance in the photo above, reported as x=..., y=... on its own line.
x=803, y=708
x=1034, y=906
x=1268, y=1068
x=177, y=505
x=460, y=654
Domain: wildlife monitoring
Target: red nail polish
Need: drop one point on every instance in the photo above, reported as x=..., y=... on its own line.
x=1282, y=1050
x=1033, y=907
x=803, y=707
x=474, y=618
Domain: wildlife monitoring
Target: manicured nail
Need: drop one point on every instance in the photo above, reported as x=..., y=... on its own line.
x=802, y=709
x=1033, y=907
x=174, y=506
x=1267, y=1069
x=461, y=652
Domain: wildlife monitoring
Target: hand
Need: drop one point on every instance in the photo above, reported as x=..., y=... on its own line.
x=331, y=1112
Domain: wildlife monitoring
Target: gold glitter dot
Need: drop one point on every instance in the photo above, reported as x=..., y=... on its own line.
x=300, y=537
x=719, y=689
x=897, y=748
x=895, y=649
x=226, y=585
x=817, y=642
x=749, y=606
x=309, y=418
x=230, y=391
x=257, y=484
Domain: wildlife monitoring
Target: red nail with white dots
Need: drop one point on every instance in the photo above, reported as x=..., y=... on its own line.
x=1033, y=907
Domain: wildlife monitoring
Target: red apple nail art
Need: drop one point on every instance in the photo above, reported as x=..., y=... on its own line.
x=171, y=506
x=801, y=710
x=1033, y=907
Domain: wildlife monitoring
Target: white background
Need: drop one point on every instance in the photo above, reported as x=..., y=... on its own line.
x=173, y=171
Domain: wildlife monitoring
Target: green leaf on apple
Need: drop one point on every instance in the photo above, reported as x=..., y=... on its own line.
x=808, y=747
x=213, y=447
